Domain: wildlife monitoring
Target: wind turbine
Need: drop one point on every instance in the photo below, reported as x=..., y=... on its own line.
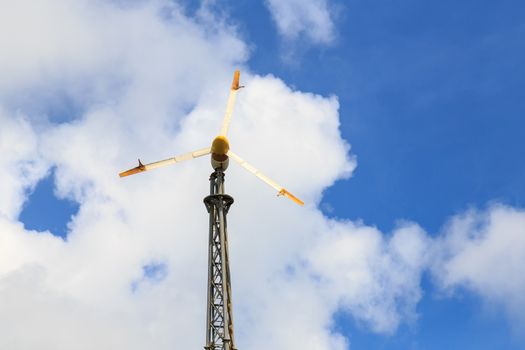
x=219, y=333
x=220, y=151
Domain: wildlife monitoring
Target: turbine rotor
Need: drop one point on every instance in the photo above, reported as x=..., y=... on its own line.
x=219, y=150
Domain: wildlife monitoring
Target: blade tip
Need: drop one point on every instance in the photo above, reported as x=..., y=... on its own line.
x=138, y=169
x=292, y=197
x=235, y=83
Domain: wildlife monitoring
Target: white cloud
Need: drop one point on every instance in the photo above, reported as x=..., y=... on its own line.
x=132, y=77
x=485, y=252
x=310, y=19
x=144, y=80
x=377, y=280
x=21, y=161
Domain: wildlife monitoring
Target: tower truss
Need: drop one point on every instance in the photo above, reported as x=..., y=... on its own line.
x=219, y=317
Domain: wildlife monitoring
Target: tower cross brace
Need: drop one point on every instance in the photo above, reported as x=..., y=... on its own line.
x=219, y=317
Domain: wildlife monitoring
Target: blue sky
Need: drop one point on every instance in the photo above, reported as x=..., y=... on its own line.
x=431, y=97
x=431, y=101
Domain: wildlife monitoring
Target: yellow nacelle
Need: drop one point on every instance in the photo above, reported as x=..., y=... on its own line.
x=220, y=145
x=219, y=149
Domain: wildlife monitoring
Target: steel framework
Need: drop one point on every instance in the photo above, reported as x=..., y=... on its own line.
x=219, y=320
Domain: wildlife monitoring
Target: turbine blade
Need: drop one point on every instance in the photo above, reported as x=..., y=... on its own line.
x=281, y=191
x=177, y=159
x=231, y=102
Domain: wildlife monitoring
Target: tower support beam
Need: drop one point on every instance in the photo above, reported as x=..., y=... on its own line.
x=219, y=317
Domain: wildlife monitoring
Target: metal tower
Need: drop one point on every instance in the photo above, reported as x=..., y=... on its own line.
x=219, y=320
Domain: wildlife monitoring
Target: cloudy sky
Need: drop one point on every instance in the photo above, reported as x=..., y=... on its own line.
x=399, y=125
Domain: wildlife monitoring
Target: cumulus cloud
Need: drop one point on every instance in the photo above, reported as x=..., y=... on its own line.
x=111, y=82
x=377, y=280
x=484, y=252
x=21, y=161
x=311, y=20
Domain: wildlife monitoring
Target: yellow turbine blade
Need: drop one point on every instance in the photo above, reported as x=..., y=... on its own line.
x=281, y=191
x=177, y=159
x=231, y=102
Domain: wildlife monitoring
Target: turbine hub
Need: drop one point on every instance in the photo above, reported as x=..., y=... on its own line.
x=219, y=149
x=220, y=145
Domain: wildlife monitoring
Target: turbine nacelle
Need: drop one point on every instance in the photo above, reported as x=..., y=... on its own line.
x=219, y=153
